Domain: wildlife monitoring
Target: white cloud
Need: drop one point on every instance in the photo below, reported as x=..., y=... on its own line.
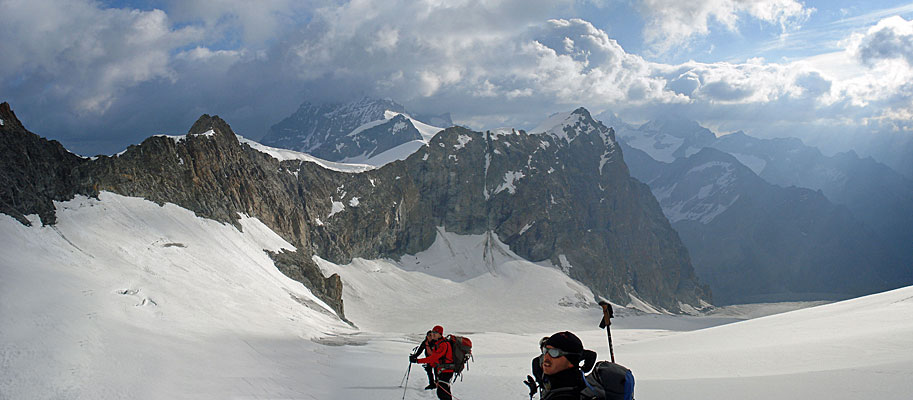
x=430, y=81
x=884, y=85
x=671, y=23
x=519, y=93
x=891, y=38
x=385, y=39
x=88, y=54
x=491, y=64
x=486, y=89
x=256, y=23
x=203, y=54
x=595, y=70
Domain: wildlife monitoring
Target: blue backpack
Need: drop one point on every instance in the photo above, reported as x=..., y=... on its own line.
x=609, y=381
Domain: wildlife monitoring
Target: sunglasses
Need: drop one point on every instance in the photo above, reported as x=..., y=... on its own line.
x=555, y=353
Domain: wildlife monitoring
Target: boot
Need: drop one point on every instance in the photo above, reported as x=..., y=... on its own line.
x=430, y=386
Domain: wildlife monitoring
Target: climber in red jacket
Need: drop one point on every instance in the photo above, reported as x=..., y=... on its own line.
x=441, y=355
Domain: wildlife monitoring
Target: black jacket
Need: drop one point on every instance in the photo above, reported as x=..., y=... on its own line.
x=565, y=385
x=422, y=347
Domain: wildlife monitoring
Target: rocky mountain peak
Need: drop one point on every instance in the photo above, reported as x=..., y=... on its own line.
x=215, y=127
x=317, y=129
x=8, y=118
x=371, y=108
x=367, y=131
x=569, y=125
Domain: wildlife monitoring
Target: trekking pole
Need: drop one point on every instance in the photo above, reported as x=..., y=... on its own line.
x=406, y=386
x=404, y=375
x=607, y=316
x=408, y=369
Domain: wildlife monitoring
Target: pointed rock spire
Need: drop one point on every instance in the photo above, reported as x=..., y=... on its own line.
x=8, y=118
x=213, y=126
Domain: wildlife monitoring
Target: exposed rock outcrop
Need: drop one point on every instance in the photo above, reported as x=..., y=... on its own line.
x=36, y=171
x=562, y=195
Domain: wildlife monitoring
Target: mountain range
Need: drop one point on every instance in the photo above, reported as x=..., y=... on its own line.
x=774, y=219
x=561, y=195
x=759, y=219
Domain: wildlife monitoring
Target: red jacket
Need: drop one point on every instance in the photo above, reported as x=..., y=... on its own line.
x=441, y=353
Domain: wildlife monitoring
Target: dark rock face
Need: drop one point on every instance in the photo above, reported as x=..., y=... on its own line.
x=577, y=200
x=565, y=199
x=294, y=265
x=35, y=171
x=546, y=198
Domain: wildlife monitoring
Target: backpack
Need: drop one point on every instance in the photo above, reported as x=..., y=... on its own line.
x=462, y=353
x=609, y=381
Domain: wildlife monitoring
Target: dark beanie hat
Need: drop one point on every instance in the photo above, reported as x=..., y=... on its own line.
x=568, y=342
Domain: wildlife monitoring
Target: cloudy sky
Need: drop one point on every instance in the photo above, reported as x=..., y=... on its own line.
x=100, y=75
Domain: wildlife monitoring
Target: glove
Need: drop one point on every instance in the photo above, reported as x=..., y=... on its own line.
x=532, y=385
x=413, y=358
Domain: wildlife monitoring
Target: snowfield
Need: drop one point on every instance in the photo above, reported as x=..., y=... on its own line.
x=125, y=299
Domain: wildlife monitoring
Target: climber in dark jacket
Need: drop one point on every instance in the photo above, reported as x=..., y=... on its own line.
x=562, y=378
x=426, y=347
x=535, y=384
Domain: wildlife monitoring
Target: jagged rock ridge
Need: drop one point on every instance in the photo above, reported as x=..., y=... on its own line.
x=549, y=198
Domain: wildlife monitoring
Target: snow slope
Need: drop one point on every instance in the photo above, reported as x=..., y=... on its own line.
x=858, y=348
x=658, y=146
x=127, y=299
x=473, y=282
x=285, y=154
x=400, y=152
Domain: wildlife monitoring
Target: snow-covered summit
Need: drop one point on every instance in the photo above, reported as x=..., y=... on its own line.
x=667, y=138
x=395, y=137
x=678, y=126
x=704, y=187
x=367, y=131
x=568, y=125
x=427, y=130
